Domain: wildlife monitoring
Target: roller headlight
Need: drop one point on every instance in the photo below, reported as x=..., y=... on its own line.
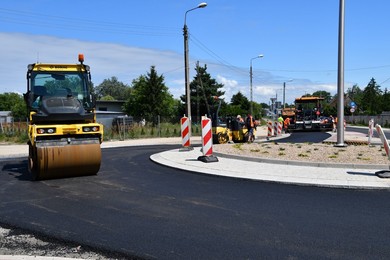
x=91, y=129
x=46, y=130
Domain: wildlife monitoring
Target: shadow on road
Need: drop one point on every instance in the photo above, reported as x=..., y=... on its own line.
x=18, y=169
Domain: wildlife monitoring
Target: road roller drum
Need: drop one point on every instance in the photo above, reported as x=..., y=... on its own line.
x=50, y=162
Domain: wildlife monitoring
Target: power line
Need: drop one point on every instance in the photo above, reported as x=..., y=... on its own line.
x=60, y=22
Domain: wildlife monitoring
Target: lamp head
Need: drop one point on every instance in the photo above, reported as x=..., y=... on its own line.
x=202, y=5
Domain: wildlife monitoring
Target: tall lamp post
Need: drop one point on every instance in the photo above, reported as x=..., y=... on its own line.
x=186, y=65
x=340, y=79
x=251, y=79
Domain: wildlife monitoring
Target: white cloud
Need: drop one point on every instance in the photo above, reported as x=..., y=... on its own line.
x=127, y=63
x=105, y=59
x=230, y=87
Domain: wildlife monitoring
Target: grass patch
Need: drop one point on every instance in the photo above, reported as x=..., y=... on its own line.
x=238, y=146
x=303, y=155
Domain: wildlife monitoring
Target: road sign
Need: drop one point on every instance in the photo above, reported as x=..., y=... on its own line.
x=352, y=104
x=352, y=110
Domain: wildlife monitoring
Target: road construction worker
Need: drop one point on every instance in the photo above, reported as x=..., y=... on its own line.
x=240, y=121
x=286, y=123
x=250, y=125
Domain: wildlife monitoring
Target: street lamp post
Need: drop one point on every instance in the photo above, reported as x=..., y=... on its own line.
x=340, y=79
x=251, y=79
x=186, y=63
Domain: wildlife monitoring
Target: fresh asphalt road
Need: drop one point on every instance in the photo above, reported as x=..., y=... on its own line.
x=146, y=210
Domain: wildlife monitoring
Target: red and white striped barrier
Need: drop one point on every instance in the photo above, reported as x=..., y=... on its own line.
x=370, y=130
x=275, y=128
x=185, y=132
x=383, y=173
x=383, y=139
x=269, y=126
x=280, y=127
x=207, y=142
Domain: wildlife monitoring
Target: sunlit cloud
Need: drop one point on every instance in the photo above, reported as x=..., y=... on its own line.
x=128, y=63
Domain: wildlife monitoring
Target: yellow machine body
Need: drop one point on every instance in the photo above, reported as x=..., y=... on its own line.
x=233, y=132
x=64, y=137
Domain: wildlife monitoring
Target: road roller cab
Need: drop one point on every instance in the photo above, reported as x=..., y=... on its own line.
x=64, y=137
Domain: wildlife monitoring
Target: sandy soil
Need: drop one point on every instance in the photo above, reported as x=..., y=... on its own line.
x=355, y=154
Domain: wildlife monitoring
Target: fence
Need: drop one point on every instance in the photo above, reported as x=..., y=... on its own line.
x=140, y=128
x=383, y=120
x=13, y=128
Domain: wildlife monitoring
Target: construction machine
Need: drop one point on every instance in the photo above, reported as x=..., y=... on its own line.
x=229, y=131
x=64, y=136
x=308, y=115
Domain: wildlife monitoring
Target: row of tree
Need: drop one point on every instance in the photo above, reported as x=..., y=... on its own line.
x=148, y=96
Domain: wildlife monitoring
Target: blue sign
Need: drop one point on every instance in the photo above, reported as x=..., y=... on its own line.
x=352, y=104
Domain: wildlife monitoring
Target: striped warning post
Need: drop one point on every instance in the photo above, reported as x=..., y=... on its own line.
x=185, y=133
x=384, y=173
x=207, y=142
x=383, y=139
x=275, y=128
x=280, y=126
x=269, y=126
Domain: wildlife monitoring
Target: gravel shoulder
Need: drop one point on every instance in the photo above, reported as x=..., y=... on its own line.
x=20, y=244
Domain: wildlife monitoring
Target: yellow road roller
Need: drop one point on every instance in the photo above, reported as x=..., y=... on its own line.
x=232, y=131
x=64, y=137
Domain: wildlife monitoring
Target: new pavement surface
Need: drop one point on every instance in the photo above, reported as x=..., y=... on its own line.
x=300, y=173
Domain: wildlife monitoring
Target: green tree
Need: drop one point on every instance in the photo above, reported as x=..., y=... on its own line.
x=240, y=105
x=372, y=98
x=258, y=111
x=15, y=103
x=241, y=100
x=325, y=94
x=150, y=97
x=386, y=100
x=114, y=88
x=107, y=98
x=203, y=92
x=356, y=95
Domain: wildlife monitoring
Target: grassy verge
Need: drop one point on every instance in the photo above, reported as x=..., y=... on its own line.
x=130, y=132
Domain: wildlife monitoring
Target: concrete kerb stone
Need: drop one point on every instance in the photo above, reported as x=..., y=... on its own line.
x=266, y=172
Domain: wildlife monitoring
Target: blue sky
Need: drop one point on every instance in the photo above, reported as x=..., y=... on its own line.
x=299, y=41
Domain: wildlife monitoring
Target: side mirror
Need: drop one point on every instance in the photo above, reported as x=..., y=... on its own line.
x=28, y=98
